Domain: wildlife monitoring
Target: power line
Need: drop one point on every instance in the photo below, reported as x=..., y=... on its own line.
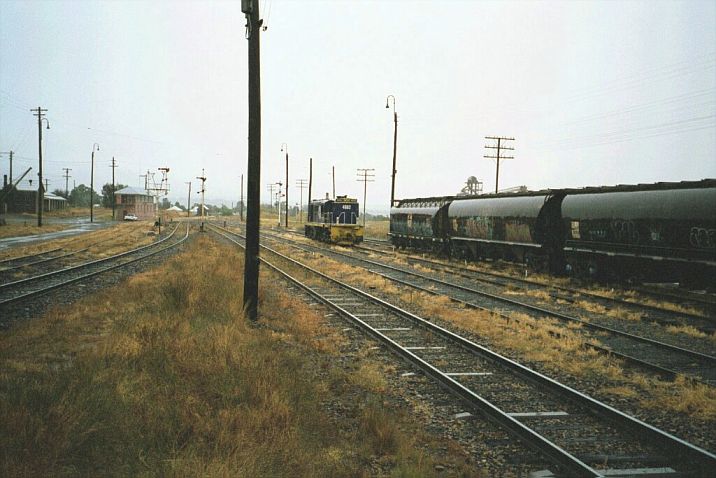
x=367, y=176
x=498, y=147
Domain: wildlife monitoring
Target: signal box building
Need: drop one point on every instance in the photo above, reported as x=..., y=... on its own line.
x=135, y=201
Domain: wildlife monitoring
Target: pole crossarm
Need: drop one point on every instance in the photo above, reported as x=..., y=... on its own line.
x=498, y=147
x=367, y=176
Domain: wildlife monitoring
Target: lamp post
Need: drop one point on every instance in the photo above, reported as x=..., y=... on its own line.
x=92, y=183
x=284, y=145
x=395, y=146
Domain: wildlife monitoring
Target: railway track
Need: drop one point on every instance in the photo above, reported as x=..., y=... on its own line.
x=705, y=323
x=18, y=292
x=633, y=346
x=578, y=434
x=704, y=301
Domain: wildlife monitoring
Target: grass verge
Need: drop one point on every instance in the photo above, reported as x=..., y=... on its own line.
x=163, y=376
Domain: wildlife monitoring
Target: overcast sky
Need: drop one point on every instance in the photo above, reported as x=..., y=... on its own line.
x=594, y=93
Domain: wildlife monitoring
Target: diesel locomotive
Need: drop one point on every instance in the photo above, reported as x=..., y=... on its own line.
x=334, y=221
x=661, y=231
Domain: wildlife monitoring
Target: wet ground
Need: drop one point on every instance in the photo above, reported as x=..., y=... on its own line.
x=76, y=225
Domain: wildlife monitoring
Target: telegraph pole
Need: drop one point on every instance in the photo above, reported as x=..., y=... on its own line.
x=310, y=183
x=114, y=197
x=334, y=181
x=241, y=206
x=301, y=184
x=92, y=184
x=395, y=147
x=67, y=180
x=284, y=145
x=40, y=112
x=251, y=263
x=279, y=195
x=271, y=187
x=499, y=147
x=366, y=175
x=10, y=153
x=188, y=201
x=47, y=184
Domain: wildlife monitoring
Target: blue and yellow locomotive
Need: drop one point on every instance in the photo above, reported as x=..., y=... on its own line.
x=334, y=221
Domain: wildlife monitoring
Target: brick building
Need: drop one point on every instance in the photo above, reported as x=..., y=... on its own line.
x=135, y=201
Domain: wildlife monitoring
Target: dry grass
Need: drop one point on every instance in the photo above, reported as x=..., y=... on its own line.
x=101, y=243
x=377, y=229
x=168, y=379
x=558, y=348
x=690, y=331
x=29, y=228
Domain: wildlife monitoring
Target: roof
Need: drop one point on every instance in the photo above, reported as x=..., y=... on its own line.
x=174, y=208
x=132, y=191
x=54, y=197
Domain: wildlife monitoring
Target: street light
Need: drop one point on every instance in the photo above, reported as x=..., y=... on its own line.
x=92, y=183
x=395, y=145
x=284, y=145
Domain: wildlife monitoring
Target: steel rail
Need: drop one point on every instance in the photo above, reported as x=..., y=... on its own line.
x=532, y=439
x=683, y=451
x=42, y=261
x=91, y=274
x=19, y=258
x=473, y=273
x=84, y=264
x=530, y=307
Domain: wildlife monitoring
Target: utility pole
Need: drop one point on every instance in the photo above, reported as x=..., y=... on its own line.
x=334, y=181
x=114, y=188
x=278, y=196
x=241, y=206
x=395, y=147
x=67, y=180
x=365, y=175
x=9, y=153
x=145, y=180
x=499, y=147
x=203, y=179
x=188, y=201
x=271, y=187
x=92, y=184
x=47, y=184
x=40, y=112
x=301, y=184
x=251, y=263
x=310, y=183
x=287, y=183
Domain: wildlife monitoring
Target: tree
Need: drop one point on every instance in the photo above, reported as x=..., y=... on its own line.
x=179, y=205
x=165, y=204
x=80, y=196
x=60, y=192
x=108, y=191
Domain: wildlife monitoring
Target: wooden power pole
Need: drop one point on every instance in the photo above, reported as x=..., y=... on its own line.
x=498, y=147
x=251, y=261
